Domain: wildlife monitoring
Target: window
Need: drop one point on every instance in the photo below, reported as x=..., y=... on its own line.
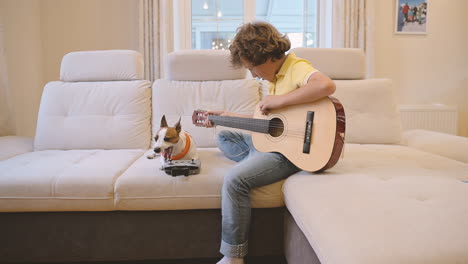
x=214, y=22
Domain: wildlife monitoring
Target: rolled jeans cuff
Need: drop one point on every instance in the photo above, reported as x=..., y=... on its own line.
x=234, y=251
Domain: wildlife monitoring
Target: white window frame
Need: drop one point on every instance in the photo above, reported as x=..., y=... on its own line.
x=325, y=22
x=183, y=23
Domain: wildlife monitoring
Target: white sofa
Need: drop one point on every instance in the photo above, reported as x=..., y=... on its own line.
x=84, y=190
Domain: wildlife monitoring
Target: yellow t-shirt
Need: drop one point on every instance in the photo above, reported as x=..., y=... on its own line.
x=294, y=73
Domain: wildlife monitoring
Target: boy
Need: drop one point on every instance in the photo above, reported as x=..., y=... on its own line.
x=260, y=48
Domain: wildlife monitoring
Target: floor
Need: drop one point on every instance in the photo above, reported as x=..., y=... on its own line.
x=251, y=260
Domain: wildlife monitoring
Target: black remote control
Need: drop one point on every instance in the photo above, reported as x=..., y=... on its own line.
x=181, y=167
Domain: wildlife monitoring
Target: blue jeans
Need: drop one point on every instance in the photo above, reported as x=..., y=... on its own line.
x=254, y=169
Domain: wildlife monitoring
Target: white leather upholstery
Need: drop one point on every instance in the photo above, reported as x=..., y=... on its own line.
x=176, y=99
x=338, y=64
x=102, y=65
x=94, y=121
x=55, y=180
x=370, y=107
x=372, y=115
x=384, y=204
x=450, y=146
x=202, y=65
x=98, y=114
x=145, y=187
x=94, y=115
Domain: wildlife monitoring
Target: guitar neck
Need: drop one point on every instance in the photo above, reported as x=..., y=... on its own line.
x=250, y=124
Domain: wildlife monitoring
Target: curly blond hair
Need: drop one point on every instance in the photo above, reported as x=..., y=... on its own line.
x=256, y=42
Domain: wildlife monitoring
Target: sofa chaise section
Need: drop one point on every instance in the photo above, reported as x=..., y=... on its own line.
x=392, y=198
x=383, y=204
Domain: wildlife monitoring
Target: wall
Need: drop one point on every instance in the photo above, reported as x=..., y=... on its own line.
x=86, y=25
x=40, y=32
x=22, y=21
x=426, y=69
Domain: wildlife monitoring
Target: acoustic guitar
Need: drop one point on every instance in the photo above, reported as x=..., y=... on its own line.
x=310, y=135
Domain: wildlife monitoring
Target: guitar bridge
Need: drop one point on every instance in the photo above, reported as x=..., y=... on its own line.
x=308, y=132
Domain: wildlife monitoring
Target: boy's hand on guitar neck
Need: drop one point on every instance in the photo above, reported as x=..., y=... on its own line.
x=208, y=123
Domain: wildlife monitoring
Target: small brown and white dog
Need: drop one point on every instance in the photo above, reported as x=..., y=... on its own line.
x=173, y=143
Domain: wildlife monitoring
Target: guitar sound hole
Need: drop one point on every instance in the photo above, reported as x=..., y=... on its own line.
x=276, y=127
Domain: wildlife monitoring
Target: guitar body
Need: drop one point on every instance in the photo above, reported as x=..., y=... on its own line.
x=327, y=137
x=310, y=135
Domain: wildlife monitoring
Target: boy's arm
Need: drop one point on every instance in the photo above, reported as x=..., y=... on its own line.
x=317, y=87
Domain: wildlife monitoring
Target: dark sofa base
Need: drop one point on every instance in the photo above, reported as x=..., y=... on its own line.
x=297, y=249
x=57, y=237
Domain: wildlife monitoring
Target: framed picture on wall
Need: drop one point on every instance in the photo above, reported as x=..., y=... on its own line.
x=411, y=16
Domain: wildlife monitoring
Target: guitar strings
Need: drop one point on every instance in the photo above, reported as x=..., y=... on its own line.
x=260, y=122
x=293, y=131
x=265, y=124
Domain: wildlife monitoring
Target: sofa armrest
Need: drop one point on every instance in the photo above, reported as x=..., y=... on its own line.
x=450, y=146
x=12, y=145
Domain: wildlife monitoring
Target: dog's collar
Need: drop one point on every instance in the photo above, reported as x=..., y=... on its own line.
x=186, y=149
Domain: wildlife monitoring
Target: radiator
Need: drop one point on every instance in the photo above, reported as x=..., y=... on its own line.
x=441, y=118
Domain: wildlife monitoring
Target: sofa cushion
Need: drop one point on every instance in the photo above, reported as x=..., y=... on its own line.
x=145, y=187
x=447, y=145
x=372, y=115
x=338, y=64
x=176, y=99
x=202, y=65
x=94, y=115
x=102, y=65
x=384, y=204
x=54, y=180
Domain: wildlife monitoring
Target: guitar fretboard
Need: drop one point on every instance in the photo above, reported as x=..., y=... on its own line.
x=251, y=124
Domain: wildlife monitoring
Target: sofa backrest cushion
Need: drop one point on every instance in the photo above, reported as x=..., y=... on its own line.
x=102, y=65
x=206, y=80
x=176, y=99
x=338, y=64
x=202, y=65
x=95, y=115
x=372, y=115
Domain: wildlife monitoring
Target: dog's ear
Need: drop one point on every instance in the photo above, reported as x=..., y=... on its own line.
x=163, y=121
x=178, y=127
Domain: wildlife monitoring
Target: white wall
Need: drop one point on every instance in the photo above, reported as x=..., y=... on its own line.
x=86, y=25
x=40, y=32
x=430, y=68
x=23, y=48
